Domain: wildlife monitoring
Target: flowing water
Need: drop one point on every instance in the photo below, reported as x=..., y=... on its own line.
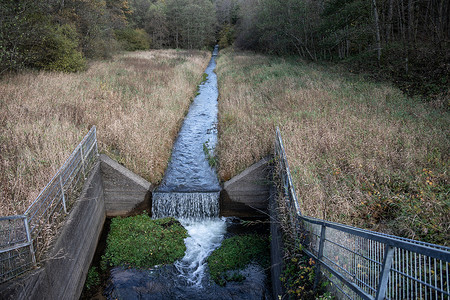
x=190, y=189
x=190, y=192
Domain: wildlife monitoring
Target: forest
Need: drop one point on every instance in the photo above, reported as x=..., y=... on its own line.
x=405, y=41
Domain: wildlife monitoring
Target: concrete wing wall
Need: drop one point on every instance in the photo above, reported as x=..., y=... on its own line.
x=248, y=192
x=124, y=190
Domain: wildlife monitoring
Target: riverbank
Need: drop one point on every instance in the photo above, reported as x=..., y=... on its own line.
x=361, y=153
x=137, y=101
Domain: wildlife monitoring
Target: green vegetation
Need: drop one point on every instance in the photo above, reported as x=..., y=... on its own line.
x=142, y=242
x=204, y=78
x=212, y=160
x=61, y=50
x=390, y=39
x=92, y=279
x=360, y=153
x=61, y=35
x=298, y=277
x=236, y=253
x=133, y=39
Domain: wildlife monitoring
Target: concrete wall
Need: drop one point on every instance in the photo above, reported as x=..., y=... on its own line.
x=125, y=191
x=64, y=271
x=248, y=193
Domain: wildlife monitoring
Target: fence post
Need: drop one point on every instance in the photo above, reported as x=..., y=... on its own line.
x=95, y=141
x=384, y=274
x=82, y=161
x=27, y=228
x=319, y=255
x=62, y=192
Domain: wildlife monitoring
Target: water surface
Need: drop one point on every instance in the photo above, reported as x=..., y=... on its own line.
x=188, y=169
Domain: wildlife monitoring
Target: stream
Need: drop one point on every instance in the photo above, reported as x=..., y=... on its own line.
x=190, y=192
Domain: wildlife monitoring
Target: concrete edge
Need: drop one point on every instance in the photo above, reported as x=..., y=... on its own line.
x=243, y=174
x=124, y=171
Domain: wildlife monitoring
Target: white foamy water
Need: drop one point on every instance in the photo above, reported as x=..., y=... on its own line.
x=204, y=236
x=201, y=205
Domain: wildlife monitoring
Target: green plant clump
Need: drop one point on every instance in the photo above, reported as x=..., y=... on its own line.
x=92, y=279
x=212, y=160
x=142, y=242
x=235, y=253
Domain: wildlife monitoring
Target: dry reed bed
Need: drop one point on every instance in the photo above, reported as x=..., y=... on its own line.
x=360, y=153
x=137, y=101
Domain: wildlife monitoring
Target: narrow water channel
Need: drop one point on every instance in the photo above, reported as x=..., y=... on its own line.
x=190, y=188
x=190, y=192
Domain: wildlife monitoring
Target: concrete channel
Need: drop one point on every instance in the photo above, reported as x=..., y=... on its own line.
x=112, y=190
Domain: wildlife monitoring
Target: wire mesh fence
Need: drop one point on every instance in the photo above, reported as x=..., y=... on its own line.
x=361, y=264
x=17, y=233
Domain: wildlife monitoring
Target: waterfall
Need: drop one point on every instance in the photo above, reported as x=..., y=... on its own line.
x=194, y=205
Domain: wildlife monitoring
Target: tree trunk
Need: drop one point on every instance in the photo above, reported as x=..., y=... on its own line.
x=389, y=20
x=377, y=30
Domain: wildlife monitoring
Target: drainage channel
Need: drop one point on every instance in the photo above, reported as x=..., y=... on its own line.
x=190, y=192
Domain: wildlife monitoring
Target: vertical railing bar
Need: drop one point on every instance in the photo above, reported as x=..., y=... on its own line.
x=447, y=265
x=319, y=256
x=421, y=276
x=378, y=270
x=63, y=194
x=385, y=270
x=415, y=274
x=370, y=265
x=442, y=280
x=435, y=278
x=95, y=141
x=429, y=277
x=397, y=277
x=407, y=273
x=425, y=273
x=403, y=271
x=82, y=162
x=29, y=240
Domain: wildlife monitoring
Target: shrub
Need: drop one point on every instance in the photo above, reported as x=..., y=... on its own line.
x=226, y=36
x=133, y=39
x=59, y=50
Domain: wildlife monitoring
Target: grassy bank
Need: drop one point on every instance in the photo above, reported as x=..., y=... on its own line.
x=137, y=101
x=361, y=153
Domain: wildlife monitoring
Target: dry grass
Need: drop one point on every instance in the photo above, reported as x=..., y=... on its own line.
x=137, y=101
x=361, y=153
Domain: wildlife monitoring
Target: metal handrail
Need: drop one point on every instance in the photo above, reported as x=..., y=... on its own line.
x=363, y=264
x=17, y=255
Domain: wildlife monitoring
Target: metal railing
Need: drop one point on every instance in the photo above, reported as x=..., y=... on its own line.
x=362, y=264
x=18, y=233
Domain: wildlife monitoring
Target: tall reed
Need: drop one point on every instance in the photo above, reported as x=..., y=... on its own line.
x=360, y=152
x=136, y=100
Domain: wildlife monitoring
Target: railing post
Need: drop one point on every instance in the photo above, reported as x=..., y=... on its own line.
x=319, y=255
x=384, y=274
x=95, y=141
x=63, y=194
x=82, y=161
x=27, y=228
